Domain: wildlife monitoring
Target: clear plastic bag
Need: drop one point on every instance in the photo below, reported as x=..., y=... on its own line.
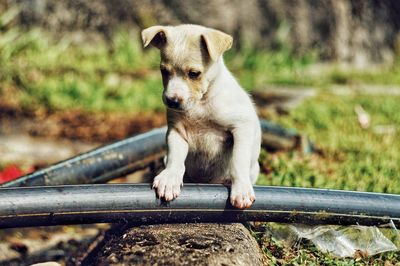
x=341, y=241
x=345, y=241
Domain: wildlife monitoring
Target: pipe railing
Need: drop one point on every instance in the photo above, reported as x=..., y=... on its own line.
x=124, y=157
x=40, y=206
x=100, y=165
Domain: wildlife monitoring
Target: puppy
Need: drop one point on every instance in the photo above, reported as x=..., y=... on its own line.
x=214, y=134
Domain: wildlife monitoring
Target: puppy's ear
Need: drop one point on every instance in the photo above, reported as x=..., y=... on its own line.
x=155, y=36
x=216, y=43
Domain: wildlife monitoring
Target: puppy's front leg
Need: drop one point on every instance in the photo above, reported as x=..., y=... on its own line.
x=168, y=182
x=242, y=193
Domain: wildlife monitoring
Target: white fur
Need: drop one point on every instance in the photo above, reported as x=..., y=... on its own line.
x=216, y=140
x=177, y=88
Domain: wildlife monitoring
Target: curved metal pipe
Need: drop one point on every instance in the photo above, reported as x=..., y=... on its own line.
x=102, y=164
x=121, y=158
x=39, y=206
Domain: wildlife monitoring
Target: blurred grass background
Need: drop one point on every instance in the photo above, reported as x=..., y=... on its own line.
x=119, y=76
x=353, y=158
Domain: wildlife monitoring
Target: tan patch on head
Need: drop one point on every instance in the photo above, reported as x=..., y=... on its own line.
x=184, y=56
x=155, y=35
x=217, y=42
x=183, y=49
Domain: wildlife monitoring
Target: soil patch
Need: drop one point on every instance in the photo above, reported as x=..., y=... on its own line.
x=77, y=124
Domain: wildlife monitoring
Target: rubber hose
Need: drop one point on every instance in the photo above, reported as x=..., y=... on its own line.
x=100, y=165
x=43, y=206
x=115, y=160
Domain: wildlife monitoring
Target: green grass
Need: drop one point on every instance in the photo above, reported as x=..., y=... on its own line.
x=63, y=75
x=353, y=159
x=42, y=72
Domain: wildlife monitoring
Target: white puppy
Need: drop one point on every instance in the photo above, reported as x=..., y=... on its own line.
x=214, y=134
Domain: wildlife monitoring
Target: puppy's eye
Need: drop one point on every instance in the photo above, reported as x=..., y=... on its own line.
x=194, y=74
x=164, y=72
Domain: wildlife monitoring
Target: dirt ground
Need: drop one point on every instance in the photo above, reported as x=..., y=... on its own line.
x=76, y=124
x=25, y=246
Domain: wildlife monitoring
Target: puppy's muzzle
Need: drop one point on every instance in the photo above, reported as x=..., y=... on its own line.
x=173, y=102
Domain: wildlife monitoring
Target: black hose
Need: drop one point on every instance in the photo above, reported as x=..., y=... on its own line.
x=119, y=159
x=102, y=164
x=40, y=206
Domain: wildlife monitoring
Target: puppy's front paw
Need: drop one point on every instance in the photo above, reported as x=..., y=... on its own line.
x=242, y=195
x=168, y=185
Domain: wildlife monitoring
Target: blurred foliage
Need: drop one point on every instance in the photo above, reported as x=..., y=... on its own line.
x=353, y=158
x=41, y=72
x=54, y=76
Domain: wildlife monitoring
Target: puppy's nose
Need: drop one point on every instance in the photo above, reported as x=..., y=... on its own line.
x=173, y=102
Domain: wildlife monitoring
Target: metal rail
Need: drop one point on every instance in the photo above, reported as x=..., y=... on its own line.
x=102, y=164
x=123, y=157
x=42, y=206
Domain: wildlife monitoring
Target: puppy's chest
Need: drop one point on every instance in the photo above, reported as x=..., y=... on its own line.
x=207, y=138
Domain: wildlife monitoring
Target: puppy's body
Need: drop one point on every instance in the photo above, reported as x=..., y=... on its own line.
x=208, y=130
x=213, y=134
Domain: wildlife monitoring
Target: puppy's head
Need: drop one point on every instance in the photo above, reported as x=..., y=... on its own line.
x=189, y=57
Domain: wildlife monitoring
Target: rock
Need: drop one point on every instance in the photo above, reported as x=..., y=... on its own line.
x=181, y=244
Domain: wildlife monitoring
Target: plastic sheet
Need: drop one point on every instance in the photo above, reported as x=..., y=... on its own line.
x=340, y=241
x=345, y=241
